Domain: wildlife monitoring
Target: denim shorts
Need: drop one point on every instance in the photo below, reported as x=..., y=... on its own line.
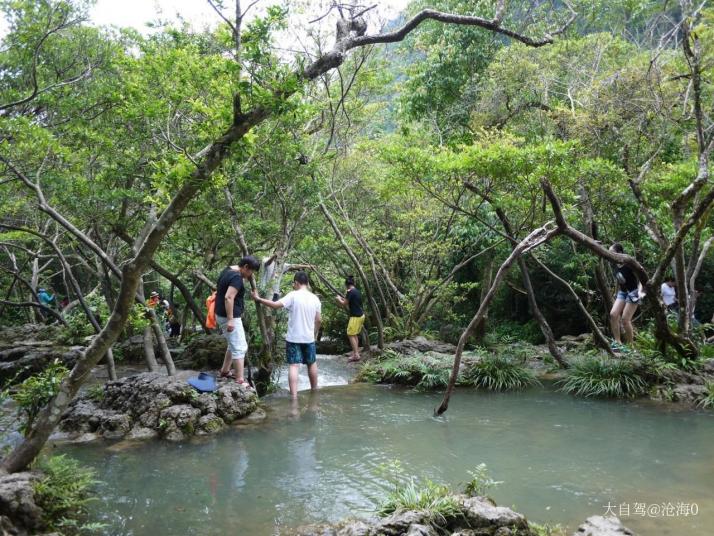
x=300, y=352
x=632, y=296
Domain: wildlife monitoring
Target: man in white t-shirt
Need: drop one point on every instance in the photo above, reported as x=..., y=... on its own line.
x=669, y=294
x=304, y=318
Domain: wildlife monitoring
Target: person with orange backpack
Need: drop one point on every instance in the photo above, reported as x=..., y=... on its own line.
x=229, y=304
x=211, y=315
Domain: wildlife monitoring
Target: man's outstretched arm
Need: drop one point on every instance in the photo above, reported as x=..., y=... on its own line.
x=267, y=303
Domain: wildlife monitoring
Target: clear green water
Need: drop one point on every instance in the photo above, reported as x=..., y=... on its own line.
x=561, y=460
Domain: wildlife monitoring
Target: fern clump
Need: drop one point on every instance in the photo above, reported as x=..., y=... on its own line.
x=424, y=371
x=605, y=378
x=499, y=373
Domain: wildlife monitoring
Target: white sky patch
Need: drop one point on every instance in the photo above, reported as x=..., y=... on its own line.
x=137, y=13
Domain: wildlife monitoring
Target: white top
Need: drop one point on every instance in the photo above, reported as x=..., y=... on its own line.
x=302, y=306
x=669, y=294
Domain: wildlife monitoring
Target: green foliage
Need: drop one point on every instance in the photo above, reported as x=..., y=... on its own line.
x=36, y=391
x=138, y=319
x=480, y=481
x=507, y=332
x=547, y=529
x=64, y=493
x=707, y=401
x=499, y=373
x=706, y=351
x=78, y=325
x=608, y=378
x=647, y=345
x=424, y=371
x=96, y=392
x=435, y=499
x=407, y=493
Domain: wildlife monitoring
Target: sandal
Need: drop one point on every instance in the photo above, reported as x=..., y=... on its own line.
x=245, y=384
x=228, y=374
x=354, y=360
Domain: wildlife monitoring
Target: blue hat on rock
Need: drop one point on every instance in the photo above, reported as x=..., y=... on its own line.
x=205, y=382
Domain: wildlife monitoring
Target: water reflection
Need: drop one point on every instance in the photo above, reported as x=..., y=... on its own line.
x=562, y=459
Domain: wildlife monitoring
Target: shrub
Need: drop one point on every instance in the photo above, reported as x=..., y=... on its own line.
x=707, y=401
x=424, y=371
x=547, y=530
x=499, y=373
x=63, y=495
x=36, y=391
x=480, y=481
x=706, y=351
x=597, y=377
x=78, y=326
x=96, y=392
x=435, y=499
x=507, y=332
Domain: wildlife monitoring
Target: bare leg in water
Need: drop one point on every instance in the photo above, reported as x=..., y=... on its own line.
x=293, y=372
x=312, y=374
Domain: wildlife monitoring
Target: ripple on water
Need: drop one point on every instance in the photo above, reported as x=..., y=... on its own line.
x=561, y=459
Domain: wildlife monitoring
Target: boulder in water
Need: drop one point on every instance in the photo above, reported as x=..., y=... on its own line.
x=603, y=526
x=478, y=516
x=19, y=514
x=151, y=404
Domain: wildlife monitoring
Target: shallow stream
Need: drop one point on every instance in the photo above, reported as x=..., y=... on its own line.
x=561, y=459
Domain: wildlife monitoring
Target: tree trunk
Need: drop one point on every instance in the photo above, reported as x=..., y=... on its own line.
x=149, y=354
x=377, y=317
x=533, y=240
x=183, y=289
x=161, y=342
x=207, y=161
x=598, y=335
x=267, y=334
x=693, y=293
x=684, y=346
x=480, y=328
x=601, y=279
x=540, y=318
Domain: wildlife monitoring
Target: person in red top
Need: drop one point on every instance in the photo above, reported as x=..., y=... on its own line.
x=153, y=300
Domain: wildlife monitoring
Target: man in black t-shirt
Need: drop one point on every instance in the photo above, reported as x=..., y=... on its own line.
x=229, y=308
x=353, y=302
x=626, y=302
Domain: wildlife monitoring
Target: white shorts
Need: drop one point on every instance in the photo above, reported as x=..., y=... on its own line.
x=237, y=344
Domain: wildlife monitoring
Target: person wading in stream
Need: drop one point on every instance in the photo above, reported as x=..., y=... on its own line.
x=229, y=308
x=353, y=303
x=626, y=302
x=304, y=319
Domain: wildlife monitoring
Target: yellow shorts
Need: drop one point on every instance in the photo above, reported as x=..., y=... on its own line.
x=354, y=326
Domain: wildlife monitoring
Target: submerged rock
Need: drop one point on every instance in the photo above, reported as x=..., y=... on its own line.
x=19, y=514
x=150, y=404
x=602, y=526
x=477, y=516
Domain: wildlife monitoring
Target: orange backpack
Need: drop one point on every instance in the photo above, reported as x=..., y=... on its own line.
x=211, y=316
